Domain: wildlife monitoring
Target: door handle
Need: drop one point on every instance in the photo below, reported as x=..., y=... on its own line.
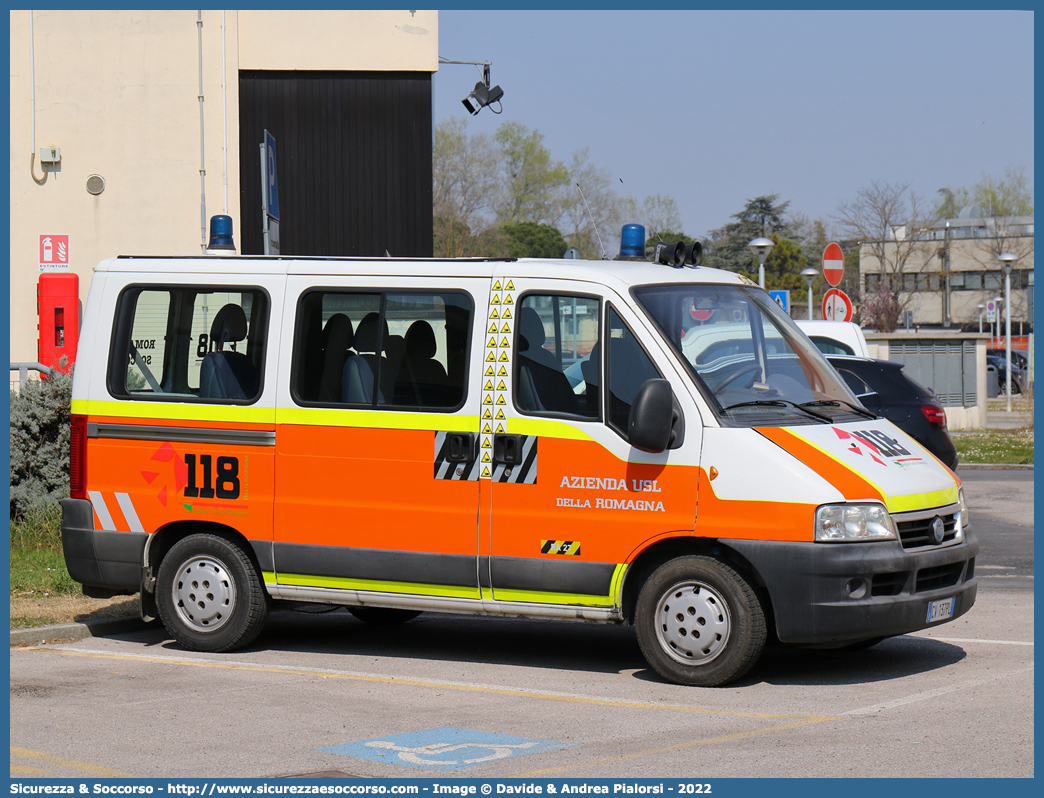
x=507, y=449
x=460, y=447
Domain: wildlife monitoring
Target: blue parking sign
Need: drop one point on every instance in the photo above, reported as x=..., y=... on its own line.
x=782, y=298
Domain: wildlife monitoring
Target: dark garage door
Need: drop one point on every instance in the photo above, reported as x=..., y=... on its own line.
x=354, y=161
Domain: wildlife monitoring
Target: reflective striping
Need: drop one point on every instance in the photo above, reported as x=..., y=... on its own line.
x=539, y=597
x=552, y=428
x=375, y=586
x=374, y=419
x=144, y=432
x=175, y=411
x=918, y=501
x=127, y=508
x=98, y=502
x=616, y=586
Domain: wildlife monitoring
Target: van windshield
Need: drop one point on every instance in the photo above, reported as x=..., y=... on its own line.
x=747, y=356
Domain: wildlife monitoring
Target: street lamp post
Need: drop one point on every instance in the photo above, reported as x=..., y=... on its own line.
x=760, y=247
x=1007, y=259
x=997, y=301
x=810, y=276
x=981, y=307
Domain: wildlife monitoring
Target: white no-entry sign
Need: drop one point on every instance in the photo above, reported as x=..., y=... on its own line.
x=833, y=264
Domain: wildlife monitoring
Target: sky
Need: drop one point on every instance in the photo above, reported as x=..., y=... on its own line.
x=714, y=108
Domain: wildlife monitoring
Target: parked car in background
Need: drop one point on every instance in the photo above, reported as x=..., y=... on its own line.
x=835, y=337
x=884, y=389
x=1001, y=365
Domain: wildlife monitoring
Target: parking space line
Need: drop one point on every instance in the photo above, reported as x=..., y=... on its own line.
x=981, y=640
x=724, y=738
x=65, y=764
x=938, y=691
x=462, y=686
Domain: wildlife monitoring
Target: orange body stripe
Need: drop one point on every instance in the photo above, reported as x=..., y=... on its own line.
x=841, y=476
x=751, y=519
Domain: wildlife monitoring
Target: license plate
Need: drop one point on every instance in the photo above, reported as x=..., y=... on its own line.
x=941, y=610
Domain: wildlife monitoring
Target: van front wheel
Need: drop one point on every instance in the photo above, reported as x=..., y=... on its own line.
x=209, y=595
x=699, y=622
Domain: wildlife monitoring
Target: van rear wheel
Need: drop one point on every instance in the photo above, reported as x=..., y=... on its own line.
x=209, y=595
x=699, y=622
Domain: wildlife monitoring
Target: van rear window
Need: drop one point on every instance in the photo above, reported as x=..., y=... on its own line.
x=189, y=343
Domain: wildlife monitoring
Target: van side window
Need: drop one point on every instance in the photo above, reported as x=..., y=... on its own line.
x=627, y=366
x=189, y=343
x=557, y=364
x=382, y=349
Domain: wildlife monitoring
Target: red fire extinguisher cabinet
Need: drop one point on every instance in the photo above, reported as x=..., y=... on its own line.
x=58, y=306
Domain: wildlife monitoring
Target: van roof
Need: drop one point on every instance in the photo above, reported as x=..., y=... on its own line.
x=627, y=272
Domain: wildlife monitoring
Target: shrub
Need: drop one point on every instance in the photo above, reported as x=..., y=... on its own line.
x=40, y=443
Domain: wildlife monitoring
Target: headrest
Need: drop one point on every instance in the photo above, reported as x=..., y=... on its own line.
x=531, y=328
x=230, y=324
x=337, y=334
x=420, y=341
x=366, y=334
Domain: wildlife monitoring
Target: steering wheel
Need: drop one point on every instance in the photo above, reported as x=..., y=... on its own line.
x=748, y=369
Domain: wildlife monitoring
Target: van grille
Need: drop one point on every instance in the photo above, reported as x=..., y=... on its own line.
x=938, y=577
x=918, y=533
x=890, y=584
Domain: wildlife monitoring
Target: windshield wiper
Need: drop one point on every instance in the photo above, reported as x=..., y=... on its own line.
x=779, y=403
x=837, y=403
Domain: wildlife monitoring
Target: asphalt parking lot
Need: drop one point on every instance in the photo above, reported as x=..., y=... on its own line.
x=442, y=695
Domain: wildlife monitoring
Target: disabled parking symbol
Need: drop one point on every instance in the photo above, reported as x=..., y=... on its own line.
x=445, y=748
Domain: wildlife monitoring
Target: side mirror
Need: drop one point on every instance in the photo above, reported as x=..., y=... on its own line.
x=650, y=425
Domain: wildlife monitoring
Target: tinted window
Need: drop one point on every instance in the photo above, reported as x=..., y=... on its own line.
x=189, y=343
x=557, y=336
x=628, y=367
x=382, y=349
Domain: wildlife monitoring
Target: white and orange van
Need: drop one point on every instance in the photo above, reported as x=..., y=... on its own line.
x=617, y=442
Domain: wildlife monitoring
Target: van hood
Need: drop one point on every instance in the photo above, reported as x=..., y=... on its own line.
x=871, y=460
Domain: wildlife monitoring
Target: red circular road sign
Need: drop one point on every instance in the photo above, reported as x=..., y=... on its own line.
x=837, y=306
x=833, y=264
x=700, y=314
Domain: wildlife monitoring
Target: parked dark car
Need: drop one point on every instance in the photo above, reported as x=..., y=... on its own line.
x=884, y=389
x=1001, y=365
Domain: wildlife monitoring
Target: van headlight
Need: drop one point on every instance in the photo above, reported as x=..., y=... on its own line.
x=965, y=520
x=845, y=523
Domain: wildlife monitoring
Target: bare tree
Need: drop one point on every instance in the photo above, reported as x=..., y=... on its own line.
x=466, y=175
x=659, y=214
x=590, y=225
x=888, y=220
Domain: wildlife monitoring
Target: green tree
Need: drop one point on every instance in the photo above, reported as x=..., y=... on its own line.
x=531, y=179
x=760, y=217
x=532, y=240
x=784, y=264
x=990, y=198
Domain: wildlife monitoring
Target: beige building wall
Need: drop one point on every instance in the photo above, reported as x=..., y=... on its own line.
x=118, y=93
x=972, y=255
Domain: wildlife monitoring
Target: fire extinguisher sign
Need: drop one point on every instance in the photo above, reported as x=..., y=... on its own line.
x=54, y=253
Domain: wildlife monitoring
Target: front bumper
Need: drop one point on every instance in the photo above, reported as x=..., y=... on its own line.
x=101, y=559
x=837, y=593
